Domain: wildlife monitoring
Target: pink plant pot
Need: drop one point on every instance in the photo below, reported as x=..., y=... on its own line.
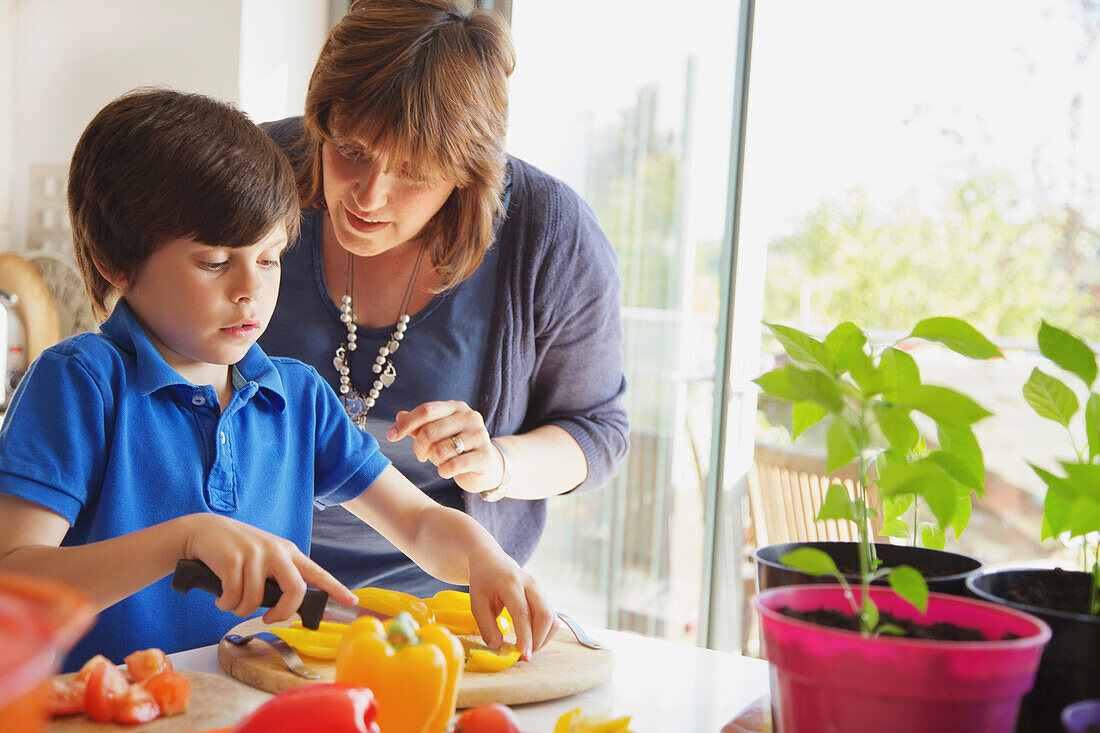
x=826, y=679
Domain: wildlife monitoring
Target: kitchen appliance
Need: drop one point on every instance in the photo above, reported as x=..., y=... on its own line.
x=13, y=347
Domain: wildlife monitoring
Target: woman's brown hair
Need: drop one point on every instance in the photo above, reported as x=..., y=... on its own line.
x=158, y=164
x=426, y=82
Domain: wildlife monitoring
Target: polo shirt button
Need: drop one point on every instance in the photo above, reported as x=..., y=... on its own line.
x=198, y=400
x=223, y=438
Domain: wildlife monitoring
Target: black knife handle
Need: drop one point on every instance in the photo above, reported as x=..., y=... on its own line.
x=196, y=574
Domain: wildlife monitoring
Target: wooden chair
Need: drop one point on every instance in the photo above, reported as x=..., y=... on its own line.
x=787, y=487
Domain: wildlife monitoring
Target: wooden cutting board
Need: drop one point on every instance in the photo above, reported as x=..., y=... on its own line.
x=561, y=668
x=216, y=702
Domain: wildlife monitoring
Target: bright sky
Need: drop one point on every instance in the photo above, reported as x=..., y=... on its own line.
x=889, y=96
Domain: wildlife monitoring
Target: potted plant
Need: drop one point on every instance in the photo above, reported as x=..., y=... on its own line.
x=1068, y=601
x=867, y=400
x=899, y=658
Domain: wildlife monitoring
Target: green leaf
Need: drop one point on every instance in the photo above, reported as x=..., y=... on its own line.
x=1084, y=479
x=961, y=518
x=837, y=505
x=895, y=528
x=926, y=479
x=957, y=468
x=1050, y=398
x=942, y=404
x=804, y=415
x=802, y=347
x=1084, y=516
x=911, y=586
x=1068, y=352
x=932, y=537
x=890, y=629
x=868, y=614
x=794, y=384
x=896, y=506
x=810, y=560
x=899, y=370
x=842, y=446
x=957, y=335
x=900, y=430
x=777, y=383
x=961, y=442
x=864, y=373
x=814, y=386
x=843, y=342
x=1092, y=424
x=1058, y=504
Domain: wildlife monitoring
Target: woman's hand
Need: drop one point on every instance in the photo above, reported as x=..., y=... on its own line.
x=452, y=436
x=496, y=583
x=244, y=557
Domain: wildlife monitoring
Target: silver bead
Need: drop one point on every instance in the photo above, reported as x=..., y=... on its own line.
x=377, y=384
x=397, y=336
x=345, y=379
x=376, y=368
x=369, y=401
x=345, y=318
x=352, y=346
x=384, y=351
x=351, y=337
x=352, y=328
x=380, y=360
x=404, y=318
x=346, y=300
x=344, y=369
x=373, y=393
x=344, y=389
x=401, y=328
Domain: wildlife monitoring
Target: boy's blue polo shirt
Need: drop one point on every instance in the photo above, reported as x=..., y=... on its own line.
x=102, y=431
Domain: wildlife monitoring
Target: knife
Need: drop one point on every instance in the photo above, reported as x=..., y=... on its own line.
x=316, y=606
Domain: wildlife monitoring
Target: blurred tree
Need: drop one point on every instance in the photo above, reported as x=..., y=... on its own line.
x=983, y=256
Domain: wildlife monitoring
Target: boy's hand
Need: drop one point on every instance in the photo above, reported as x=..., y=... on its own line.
x=244, y=557
x=497, y=583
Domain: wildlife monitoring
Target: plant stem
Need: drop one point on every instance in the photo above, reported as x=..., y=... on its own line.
x=866, y=546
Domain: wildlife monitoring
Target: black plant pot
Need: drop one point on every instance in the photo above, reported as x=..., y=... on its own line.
x=945, y=572
x=1070, y=667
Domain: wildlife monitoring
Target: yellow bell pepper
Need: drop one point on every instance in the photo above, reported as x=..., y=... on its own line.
x=317, y=644
x=452, y=609
x=392, y=602
x=483, y=659
x=578, y=721
x=412, y=671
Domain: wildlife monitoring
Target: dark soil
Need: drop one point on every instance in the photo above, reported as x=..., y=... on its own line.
x=935, y=632
x=1058, y=595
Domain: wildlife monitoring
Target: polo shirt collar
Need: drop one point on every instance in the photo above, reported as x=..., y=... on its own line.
x=153, y=372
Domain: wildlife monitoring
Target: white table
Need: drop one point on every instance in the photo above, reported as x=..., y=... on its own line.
x=662, y=686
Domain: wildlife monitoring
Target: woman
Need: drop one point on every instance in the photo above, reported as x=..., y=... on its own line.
x=462, y=303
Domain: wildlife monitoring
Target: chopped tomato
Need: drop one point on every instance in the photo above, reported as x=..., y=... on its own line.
x=65, y=698
x=170, y=689
x=106, y=686
x=86, y=671
x=136, y=706
x=146, y=663
x=488, y=718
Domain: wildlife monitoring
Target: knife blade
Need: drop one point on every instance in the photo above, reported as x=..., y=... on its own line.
x=316, y=605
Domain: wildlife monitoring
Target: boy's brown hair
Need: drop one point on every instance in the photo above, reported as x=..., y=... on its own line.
x=426, y=83
x=158, y=164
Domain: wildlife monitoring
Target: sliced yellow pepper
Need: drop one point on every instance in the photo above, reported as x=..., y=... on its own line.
x=452, y=609
x=412, y=671
x=483, y=659
x=316, y=644
x=578, y=721
x=392, y=602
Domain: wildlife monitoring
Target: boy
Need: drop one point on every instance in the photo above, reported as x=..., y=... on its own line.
x=169, y=434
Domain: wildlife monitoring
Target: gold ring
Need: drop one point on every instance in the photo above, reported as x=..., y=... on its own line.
x=460, y=447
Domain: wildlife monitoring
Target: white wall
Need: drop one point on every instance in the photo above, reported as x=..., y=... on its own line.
x=62, y=60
